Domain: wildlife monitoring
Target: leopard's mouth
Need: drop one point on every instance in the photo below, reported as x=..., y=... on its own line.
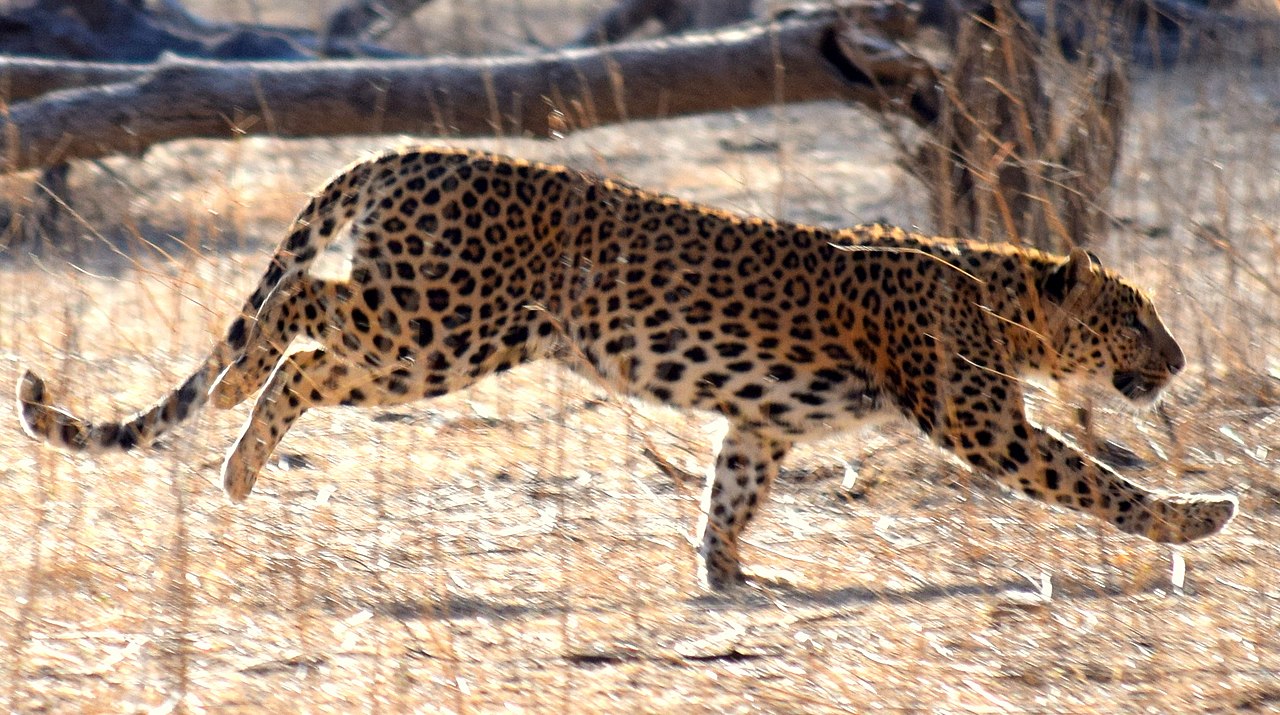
x=1137, y=386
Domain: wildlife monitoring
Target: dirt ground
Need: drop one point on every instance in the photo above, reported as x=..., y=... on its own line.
x=513, y=548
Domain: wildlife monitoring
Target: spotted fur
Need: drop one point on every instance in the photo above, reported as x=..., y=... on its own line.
x=467, y=264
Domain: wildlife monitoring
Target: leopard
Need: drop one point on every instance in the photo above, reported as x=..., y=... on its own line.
x=468, y=263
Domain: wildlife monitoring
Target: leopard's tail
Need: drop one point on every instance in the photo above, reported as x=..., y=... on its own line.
x=315, y=227
x=43, y=421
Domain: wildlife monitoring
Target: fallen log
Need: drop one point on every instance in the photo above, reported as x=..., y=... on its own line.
x=819, y=54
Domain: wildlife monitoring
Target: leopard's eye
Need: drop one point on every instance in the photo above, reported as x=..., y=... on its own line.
x=1134, y=325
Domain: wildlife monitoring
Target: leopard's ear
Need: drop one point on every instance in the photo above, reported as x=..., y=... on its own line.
x=1079, y=268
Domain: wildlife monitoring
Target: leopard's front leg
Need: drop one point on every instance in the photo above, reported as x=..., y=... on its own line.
x=744, y=472
x=1070, y=478
x=995, y=437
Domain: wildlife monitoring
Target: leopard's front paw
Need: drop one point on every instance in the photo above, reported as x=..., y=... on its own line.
x=719, y=565
x=725, y=580
x=1177, y=519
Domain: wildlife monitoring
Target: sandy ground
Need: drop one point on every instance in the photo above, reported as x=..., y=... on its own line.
x=511, y=548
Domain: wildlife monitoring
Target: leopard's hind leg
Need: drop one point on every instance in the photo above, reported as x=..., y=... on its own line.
x=322, y=378
x=304, y=308
x=299, y=382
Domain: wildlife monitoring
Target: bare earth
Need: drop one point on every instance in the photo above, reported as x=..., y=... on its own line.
x=512, y=548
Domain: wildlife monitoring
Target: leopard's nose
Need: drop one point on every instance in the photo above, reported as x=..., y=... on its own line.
x=1176, y=360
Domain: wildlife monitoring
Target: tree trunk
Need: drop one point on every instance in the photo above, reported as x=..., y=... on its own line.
x=1000, y=163
x=808, y=56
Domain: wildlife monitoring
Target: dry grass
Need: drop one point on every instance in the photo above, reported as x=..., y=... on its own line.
x=509, y=548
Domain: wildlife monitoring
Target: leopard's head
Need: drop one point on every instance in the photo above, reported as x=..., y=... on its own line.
x=1101, y=326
